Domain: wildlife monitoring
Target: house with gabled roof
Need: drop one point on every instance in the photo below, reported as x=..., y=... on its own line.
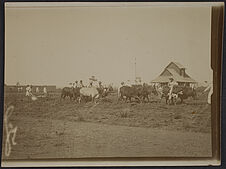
x=177, y=72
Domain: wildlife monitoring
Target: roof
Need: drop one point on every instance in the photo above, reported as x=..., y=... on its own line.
x=178, y=65
x=175, y=76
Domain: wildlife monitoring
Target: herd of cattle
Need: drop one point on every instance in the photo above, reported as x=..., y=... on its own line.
x=139, y=93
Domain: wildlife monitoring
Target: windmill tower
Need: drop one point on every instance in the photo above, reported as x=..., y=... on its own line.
x=137, y=79
x=135, y=69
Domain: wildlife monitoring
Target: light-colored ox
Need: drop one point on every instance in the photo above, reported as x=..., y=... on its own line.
x=89, y=92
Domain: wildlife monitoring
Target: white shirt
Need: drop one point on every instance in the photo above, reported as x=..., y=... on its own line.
x=171, y=84
x=44, y=90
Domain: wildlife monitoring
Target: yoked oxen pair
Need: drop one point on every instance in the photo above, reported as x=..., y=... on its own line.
x=181, y=92
x=139, y=92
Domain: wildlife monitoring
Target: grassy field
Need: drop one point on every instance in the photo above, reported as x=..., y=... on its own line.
x=38, y=119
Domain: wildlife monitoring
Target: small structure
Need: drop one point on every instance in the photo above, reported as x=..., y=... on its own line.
x=177, y=72
x=14, y=88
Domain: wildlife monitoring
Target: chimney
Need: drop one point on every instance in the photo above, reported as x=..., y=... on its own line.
x=182, y=72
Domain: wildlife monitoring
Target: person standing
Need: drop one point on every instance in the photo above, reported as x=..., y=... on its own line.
x=37, y=90
x=45, y=91
x=80, y=85
x=28, y=90
x=192, y=85
x=171, y=85
x=73, y=85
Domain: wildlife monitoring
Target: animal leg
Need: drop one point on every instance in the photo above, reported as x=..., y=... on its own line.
x=96, y=97
x=138, y=99
x=148, y=99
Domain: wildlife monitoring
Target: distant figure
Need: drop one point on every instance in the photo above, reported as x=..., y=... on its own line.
x=100, y=85
x=159, y=90
x=128, y=83
x=192, y=85
x=121, y=85
x=45, y=90
x=28, y=90
x=80, y=85
x=171, y=85
x=37, y=90
x=156, y=85
x=76, y=84
x=90, y=84
x=210, y=88
x=73, y=85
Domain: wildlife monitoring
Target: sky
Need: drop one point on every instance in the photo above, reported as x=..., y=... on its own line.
x=58, y=45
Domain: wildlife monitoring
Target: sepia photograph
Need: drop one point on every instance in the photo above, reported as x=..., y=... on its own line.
x=107, y=81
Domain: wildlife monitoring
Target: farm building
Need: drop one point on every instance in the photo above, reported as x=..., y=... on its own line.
x=177, y=72
x=22, y=88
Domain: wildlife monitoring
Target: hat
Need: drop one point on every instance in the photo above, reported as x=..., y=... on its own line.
x=93, y=78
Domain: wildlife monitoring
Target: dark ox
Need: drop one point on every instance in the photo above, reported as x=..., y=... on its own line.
x=139, y=92
x=72, y=93
x=128, y=93
x=187, y=92
x=146, y=91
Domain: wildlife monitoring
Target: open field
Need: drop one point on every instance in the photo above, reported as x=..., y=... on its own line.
x=54, y=128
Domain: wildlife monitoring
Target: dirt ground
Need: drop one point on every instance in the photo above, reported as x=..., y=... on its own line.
x=54, y=128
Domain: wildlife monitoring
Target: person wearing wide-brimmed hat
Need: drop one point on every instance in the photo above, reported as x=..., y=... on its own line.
x=171, y=85
x=93, y=80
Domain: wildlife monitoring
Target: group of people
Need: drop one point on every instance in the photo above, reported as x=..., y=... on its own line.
x=29, y=90
x=80, y=84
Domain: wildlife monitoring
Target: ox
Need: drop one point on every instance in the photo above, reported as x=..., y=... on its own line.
x=71, y=92
x=89, y=92
x=145, y=91
x=129, y=93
